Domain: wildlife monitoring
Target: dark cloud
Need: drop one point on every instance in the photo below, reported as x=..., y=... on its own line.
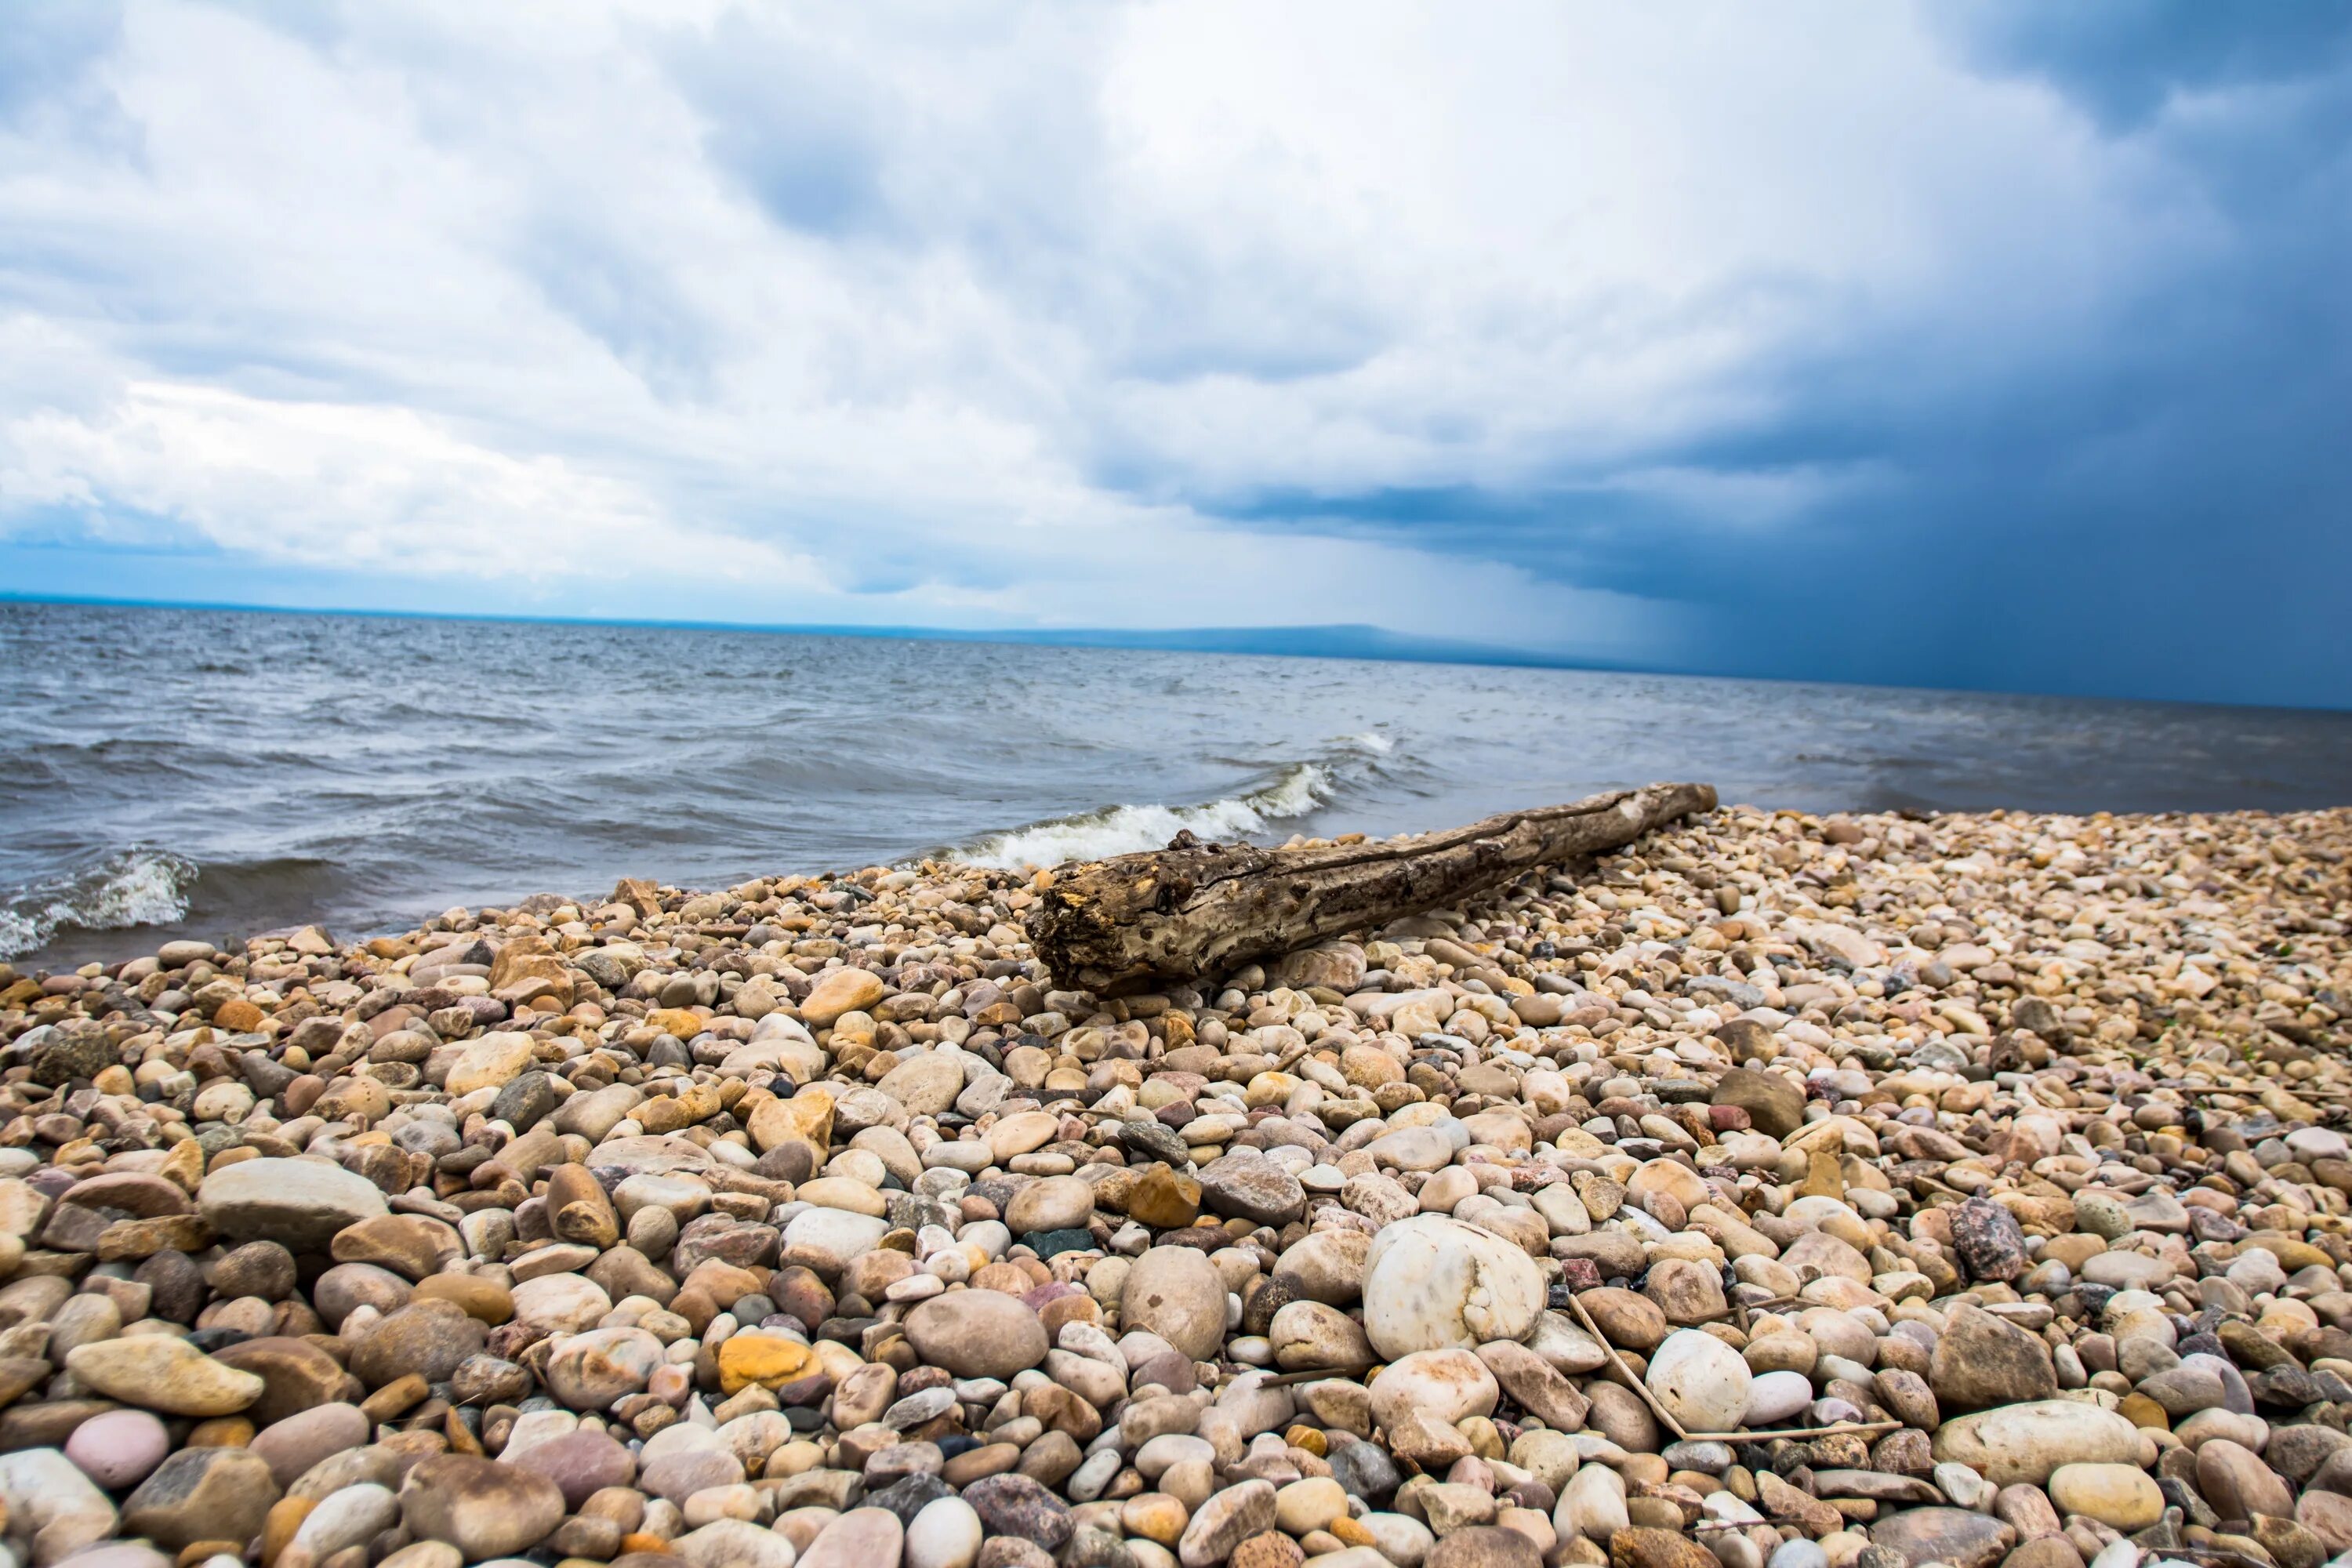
x=2149, y=496
x=2037, y=380
x=2123, y=60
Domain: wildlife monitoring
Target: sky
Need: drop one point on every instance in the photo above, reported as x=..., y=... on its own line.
x=1999, y=344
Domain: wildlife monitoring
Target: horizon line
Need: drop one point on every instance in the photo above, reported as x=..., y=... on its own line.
x=1404, y=647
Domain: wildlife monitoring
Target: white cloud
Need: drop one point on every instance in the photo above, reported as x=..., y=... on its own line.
x=978, y=314
x=352, y=487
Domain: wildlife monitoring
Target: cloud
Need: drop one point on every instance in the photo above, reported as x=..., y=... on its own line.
x=343, y=486
x=1978, y=345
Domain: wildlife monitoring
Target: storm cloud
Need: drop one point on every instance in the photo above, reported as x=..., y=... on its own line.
x=1984, y=345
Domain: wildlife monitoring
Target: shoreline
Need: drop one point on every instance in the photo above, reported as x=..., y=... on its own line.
x=1995, y=1145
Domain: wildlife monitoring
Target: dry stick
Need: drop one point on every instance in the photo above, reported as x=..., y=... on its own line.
x=1627, y=1373
x=1835, y=1429
x=1313, y=1375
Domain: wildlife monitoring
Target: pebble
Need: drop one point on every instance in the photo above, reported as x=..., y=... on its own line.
x=978, y=1333
x=1432, y=1281
x=118, y=1448
x=1701, y=1381
x=158, y=1372
x=946, y=1533
x=482, y=1507
x=811, y=1220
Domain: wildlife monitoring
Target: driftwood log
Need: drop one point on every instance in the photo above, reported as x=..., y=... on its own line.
x=1198, y=909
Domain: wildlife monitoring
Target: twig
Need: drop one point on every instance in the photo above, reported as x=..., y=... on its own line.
x=1627, y=1373
x=1312, y=1375
x=1835, y=1429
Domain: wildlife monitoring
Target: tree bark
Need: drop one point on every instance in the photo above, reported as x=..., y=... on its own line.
x=1192, y=909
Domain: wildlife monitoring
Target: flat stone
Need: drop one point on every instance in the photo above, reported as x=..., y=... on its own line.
x=1775, y=1105
x=1055, y=1202
x=1491, y=1546
x=840, y=990
x=428, y=1338
x=978, y=1333
x=302, y=1203
x=203, y=1494
x=157, y=1372
x=2027, y=1442
x=1647, y=1547
x=1246, y=1184
x=482, y=1507
x=292, y=1446
x=581, y=1463
x=1950, y=1535
x=1014, y=1505
x=296, y=1376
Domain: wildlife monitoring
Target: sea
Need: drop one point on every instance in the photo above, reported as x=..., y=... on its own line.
x=168, y=772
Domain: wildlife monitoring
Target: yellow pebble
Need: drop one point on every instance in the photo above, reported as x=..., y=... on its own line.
x=764, y=1359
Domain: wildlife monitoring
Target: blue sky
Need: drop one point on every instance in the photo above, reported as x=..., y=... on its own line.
x=2001, y=344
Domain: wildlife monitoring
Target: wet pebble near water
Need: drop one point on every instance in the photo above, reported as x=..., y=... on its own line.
x=1780, y=1191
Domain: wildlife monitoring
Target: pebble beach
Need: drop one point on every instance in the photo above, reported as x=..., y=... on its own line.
x=1782, y=1190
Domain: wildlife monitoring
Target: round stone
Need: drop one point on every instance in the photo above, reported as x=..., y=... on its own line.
x=1055, y=1202
x=2122, y=1497
x=1701, y=1381
x=1177, y=1293
x=120, y=1448
x=978, y=1333
x=1775, y=1396
x=945, y=1534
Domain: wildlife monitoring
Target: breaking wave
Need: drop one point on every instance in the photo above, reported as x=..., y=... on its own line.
x=136, y=887
x=1296, y=791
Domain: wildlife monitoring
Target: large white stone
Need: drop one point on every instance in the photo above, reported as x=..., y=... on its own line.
x=1433, y=1282
x=1701, y=1381
x=2025, y=1443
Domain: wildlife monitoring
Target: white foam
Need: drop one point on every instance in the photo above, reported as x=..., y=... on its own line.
x=1297, y=791
x=132, y=888
x=1371, y=740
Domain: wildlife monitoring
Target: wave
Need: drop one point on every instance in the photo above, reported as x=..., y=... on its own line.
x=134, y=886
x=1295, y=791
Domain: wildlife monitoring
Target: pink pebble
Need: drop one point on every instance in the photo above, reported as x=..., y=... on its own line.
x=118, y=1448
